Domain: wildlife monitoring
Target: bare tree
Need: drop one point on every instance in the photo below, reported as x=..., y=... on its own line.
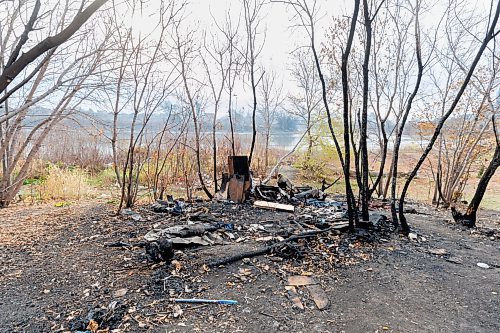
x=164, y=141
x=307, y=103
x=491, y=33
x=143, y=82
x=305, y=14
x=217, y=71
x=233, y=63
x=19, y=152
x=16, y=64
x=460, y=141
x=252, y=9
x=365, y=186
x=390, y=68
x=63, y=76
x=409, y=102
x=270, y=91
x=187, y=51
x=469, y=218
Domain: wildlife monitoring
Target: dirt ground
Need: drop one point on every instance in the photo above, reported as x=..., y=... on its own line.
x=56, y=275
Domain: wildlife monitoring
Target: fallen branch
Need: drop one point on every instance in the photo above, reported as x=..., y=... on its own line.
x=124, y=244
x=267, y=249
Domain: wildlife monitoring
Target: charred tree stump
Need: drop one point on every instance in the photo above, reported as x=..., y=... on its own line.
x=469, y=218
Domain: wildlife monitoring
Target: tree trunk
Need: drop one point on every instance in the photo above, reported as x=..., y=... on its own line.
x=365, y=186
x=309, y=139
x=378, y=180
x=230, y=114
x=267, y=151
x=254, y=110
x=214, y=144
x=351, y=201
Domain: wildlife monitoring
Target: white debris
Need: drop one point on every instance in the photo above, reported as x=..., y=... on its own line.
x=483, y=265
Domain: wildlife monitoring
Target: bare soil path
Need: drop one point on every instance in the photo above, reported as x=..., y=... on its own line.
x=55, y=274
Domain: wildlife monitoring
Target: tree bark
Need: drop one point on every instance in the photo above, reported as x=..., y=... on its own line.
x=351, y=201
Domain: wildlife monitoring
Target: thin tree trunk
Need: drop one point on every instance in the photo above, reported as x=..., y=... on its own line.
x=365, y=186
x=378, y=180
x=309, y=139
x=351, y=201
x=214, y=151
x=254, y=110
x=266, y=159
x=230, y=114
x=399, y=132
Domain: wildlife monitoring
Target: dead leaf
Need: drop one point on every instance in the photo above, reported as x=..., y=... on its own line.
x=120, y=292
x=177, y=311
x=177, y=265
x=245, y=272
x=93, y=326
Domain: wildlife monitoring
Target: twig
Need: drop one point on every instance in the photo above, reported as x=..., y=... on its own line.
x=196, y=307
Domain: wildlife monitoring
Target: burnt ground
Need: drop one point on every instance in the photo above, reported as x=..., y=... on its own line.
x=56, y=274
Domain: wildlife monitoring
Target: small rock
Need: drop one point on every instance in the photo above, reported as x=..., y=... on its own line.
x=412, y=236
x=483, y=265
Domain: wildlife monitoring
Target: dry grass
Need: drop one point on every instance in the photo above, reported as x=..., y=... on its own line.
x=66, y=184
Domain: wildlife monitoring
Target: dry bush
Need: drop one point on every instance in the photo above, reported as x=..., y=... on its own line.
x=66, y=184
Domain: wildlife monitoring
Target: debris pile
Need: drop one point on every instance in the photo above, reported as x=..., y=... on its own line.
x=284, y=230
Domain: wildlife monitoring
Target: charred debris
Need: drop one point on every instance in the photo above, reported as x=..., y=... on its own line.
x=278, y=220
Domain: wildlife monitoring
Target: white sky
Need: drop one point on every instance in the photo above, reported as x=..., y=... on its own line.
x=280, y=39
